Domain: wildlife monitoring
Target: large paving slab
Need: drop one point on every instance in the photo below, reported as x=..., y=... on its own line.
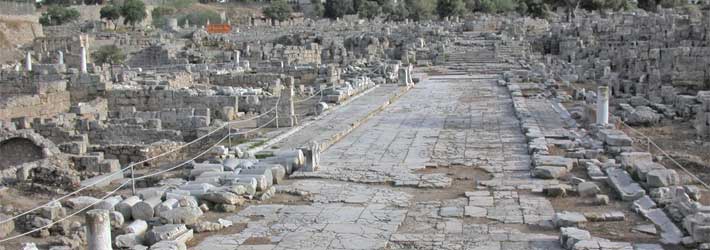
x=443, y=121
x=381, y=186
x=333, y=125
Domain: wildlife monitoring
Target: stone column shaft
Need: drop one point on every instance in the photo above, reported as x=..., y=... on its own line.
x=603, y=105
x=98, y=233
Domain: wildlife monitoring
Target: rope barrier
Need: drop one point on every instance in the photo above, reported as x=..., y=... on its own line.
x=139, y=178
x=66, y=217
x=651, y=142
x=121, y=171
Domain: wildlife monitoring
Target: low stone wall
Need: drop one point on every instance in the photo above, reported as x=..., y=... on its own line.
x=137, y=133
x=158, y=99
x=35, y=106
x=246, y=80
x=127, y=153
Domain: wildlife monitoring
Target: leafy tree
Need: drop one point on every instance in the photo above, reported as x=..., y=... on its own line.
x=395, y=12
x=58, y=15
x=447, y=8
x=109, y=54
x=497, y=6
x=181, y=4
x=673, y=3
x=133, y=12
x=534, y=8
x=648, y=5
x=318, y=8
x=160, y=15
x=368, y=9
x=421, y=9
x=278, y=10
x=338, y=8
x=603, y=4
x=110, y=13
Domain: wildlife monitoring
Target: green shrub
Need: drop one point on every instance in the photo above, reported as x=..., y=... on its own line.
x=58, y=15
x=369, y=9
x=447, y=8
x=278, y=10
x=338, y=8
x=161, y=14
x=133, y=12
x=109, y=54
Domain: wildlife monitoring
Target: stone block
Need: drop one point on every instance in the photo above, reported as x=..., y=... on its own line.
x=164, y=232
x=622, y=183
x=549, y=172
x=662, y=178
x=182, y=215
x=588, y=189
x=569, y=219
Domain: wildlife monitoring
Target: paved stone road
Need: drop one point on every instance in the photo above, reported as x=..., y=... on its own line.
x=446, y=121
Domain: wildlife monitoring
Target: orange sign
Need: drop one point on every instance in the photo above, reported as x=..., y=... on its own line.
x=218, y=28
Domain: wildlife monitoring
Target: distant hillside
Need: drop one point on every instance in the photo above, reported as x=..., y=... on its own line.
x=16, y=31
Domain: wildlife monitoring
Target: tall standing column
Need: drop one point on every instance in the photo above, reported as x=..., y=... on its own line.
x=28, y=62
x=603, y=105
x=237, y=56
x=83, y=60
x=60, y=59
x=98, y=233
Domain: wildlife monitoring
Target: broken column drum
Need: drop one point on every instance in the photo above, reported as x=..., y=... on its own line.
x=98, y=233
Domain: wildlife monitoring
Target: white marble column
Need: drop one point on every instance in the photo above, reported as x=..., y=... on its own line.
x=603, y=105
x=28, y=61
x=83, y=60
x=98, y=233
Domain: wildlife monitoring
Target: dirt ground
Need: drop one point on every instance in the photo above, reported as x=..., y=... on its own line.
x=678, y=139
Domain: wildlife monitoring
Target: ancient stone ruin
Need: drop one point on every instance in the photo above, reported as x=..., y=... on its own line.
x=581, y=130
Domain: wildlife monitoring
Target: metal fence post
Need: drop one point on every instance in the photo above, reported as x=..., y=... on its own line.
x=133, y=179
x=229, y=135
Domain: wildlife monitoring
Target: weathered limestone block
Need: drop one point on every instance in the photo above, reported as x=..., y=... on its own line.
x=549, y=172
x=109, y=203
x=223, y=197
x=183, y=215
x=569, y=219
x=200, y=168
x=164, y=232
x=166, y=205
x=641, y=168
x=168, y=245
x=262, y=181
x=629, y=159
x=138, y=227
x=569, y=236
x=614, y=137
x=553, y=160
x=588, y=189
x=197, y=189
x=662, y=178
x=81, y=202
x=260, y=170
x=128, y=240
x=622, y=183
